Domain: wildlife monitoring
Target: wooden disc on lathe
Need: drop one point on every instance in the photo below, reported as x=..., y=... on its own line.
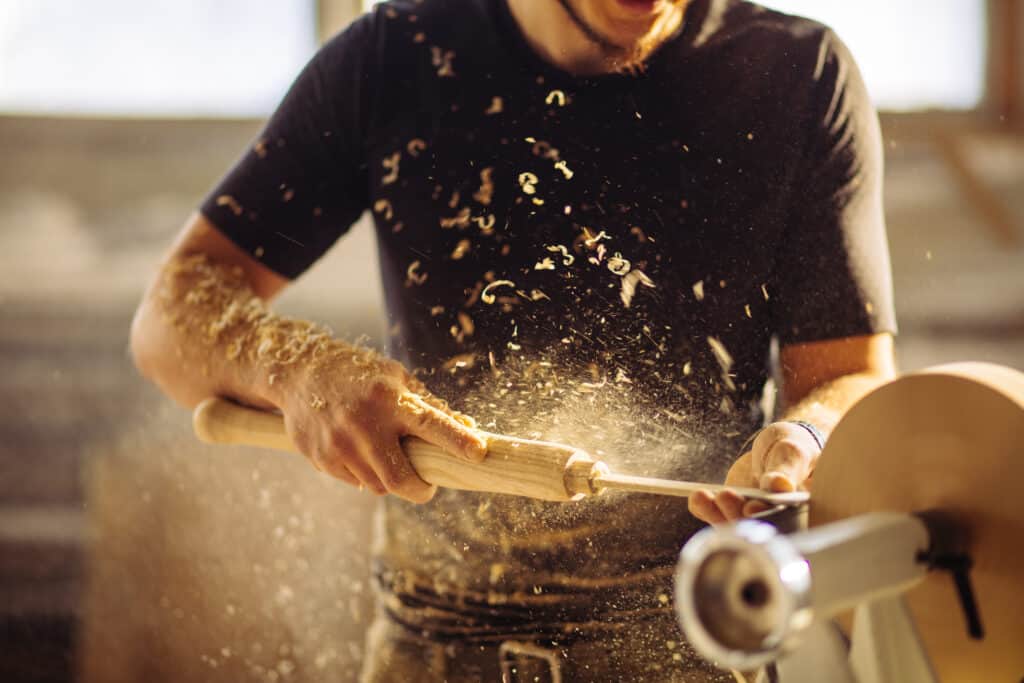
x=950, y=438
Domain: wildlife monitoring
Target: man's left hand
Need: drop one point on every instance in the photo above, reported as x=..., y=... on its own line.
x=781, y=458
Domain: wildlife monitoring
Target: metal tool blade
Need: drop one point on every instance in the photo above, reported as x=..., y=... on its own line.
x=684, y=489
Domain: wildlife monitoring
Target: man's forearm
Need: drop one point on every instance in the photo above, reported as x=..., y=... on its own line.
x=827, y=402
x=201, y=331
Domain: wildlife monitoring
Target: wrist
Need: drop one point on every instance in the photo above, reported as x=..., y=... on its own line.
x=815, y=433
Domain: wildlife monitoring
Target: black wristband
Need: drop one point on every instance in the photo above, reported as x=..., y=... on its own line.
x=815, y=433
x=819, y=438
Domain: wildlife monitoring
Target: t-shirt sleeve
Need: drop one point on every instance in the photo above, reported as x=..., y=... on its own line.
x=302, y=183
x=832, y=276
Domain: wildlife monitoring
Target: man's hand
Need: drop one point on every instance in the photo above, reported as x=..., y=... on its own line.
x=203, y=330
x=349, y=415
x=780, y=459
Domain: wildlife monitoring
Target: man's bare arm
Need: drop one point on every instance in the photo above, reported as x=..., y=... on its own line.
x=162, y=350
x=820, y=382
x=203, y=329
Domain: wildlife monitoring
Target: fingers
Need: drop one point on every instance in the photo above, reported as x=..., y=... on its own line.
x=702, y=506
x=418, y=387
x=418, y=418
x=392, y=467
x=786, y=466
x=717, y=508
x=783, y=457
x=345, y=451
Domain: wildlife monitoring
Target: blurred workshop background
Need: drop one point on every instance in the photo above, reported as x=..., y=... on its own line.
x=127, y=551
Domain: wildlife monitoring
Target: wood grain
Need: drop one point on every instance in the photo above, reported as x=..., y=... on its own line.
x=952, y=439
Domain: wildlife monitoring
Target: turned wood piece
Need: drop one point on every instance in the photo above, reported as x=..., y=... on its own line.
x=949, y=439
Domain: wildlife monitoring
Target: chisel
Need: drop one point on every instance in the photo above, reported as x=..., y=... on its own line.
x=519, y=467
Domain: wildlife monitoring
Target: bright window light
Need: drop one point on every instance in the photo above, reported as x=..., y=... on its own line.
x=157, y=58
x=914, y=55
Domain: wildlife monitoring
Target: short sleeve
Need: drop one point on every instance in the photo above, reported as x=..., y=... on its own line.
x=832, y=276
x=302, y=183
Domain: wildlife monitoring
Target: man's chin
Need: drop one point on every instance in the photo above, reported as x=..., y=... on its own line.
x=629, y=24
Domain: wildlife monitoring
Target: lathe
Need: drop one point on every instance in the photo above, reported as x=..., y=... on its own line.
x=916, y=525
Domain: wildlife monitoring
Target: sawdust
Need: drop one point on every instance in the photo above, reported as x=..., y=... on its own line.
x=212, y=304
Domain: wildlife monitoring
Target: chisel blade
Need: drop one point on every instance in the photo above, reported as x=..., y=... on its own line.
x=685, y=489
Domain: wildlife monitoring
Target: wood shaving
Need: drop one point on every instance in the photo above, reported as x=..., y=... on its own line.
x=528, y=182
x=619, y=265
x=486, y=191
x=391, y=164
x=543, y=149
x=722, y=354
x=415, y=146
x=566, y=171
x=419, y=37
x=442, y=59
x=454, y=201
x=497, y=105
x=555, y=96
x=383, y=206
x=537, y=295
x=567, y=258
x=230, y=202
x=537, y=201
x=544, y=264
x=412, y=277
x=485, y=223
x=212, y=304
x=459, y=220
x=698, y=290
x=466, y=323
x=473, y=294
x=591, y=240
x=317, y=402
x=436, y=310
x=486, y=295
x=629, y=283
x=461, y=249
x=764, y=292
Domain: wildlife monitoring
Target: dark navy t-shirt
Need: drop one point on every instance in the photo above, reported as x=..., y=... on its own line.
x=550, y=245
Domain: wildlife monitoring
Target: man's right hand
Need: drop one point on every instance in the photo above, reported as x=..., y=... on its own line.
x=348, y=417
x=346, y=409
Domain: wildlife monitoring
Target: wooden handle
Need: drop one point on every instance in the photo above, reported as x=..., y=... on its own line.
x=519, y=467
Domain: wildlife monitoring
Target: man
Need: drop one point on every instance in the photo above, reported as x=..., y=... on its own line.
x=593, y=218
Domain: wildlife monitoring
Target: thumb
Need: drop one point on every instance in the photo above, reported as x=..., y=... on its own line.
x=421, y=419
x=786, y=466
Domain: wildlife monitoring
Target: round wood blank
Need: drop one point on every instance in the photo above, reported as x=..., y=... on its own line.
x=949, y=438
